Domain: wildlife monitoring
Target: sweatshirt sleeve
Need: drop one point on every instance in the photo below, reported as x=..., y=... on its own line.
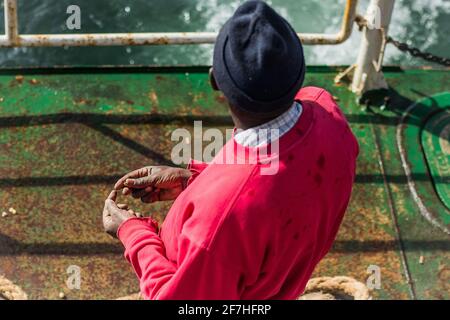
x=198, y=275
x=196, y=167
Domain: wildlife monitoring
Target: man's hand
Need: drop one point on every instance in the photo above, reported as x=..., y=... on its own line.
x=154, y=183
x=115, y=214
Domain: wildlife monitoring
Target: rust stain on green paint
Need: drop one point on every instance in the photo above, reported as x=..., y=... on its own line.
x=67, y=135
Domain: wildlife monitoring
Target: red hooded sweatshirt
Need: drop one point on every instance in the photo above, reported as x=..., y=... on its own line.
x=238, y=233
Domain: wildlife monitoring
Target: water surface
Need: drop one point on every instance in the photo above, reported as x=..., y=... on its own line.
x=422, y=23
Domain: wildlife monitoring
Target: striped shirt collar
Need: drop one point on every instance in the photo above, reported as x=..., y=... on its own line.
x=269, y=131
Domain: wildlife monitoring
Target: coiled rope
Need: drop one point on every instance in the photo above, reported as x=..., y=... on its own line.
x=10, y=291
x=321, y=288
x=335, y=288
x=134, y=296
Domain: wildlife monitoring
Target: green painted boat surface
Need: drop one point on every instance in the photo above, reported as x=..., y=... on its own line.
x=436, y=146
x=66, y=135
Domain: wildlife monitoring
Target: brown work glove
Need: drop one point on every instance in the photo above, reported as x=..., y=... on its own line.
x=154, y=183
x=115, y=214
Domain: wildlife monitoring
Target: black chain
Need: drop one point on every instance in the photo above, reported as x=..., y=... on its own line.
x=415, y=52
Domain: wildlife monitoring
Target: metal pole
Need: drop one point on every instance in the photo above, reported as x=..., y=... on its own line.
x=11, y=22
x=368, y=74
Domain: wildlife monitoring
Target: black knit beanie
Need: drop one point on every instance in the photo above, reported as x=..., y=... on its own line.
x=258, y=59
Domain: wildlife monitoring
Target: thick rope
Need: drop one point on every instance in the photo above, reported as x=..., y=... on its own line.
x=322, y=288
x=10, y=291
x=335, y=288
x=134, y=296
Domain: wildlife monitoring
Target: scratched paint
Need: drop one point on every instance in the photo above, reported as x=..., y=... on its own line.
x=66, y=136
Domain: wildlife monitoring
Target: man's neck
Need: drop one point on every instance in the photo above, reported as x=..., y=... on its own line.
x=244, y=125
x=248, y=122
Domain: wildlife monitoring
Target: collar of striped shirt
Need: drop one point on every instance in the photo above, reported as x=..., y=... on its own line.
x=269, y=131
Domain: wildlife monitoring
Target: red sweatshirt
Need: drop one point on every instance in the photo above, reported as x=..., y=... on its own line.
x=235, y=233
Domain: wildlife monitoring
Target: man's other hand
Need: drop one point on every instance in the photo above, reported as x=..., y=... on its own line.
x=115, y=214
x=154, y=183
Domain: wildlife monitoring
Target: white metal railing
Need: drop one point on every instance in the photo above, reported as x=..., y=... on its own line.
x=366, y=73
x=12, y=38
